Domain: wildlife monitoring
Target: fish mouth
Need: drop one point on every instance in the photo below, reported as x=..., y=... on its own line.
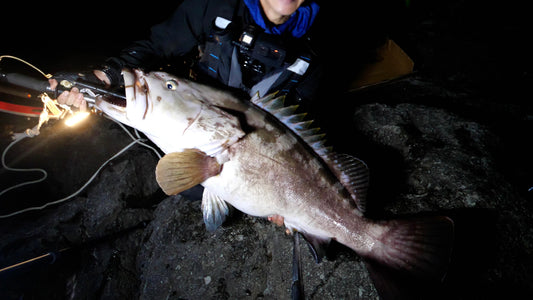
x=139, y=87
x=116, y=101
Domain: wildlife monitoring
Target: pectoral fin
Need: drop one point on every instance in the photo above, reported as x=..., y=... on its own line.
x=214, y=210
x=179, y=171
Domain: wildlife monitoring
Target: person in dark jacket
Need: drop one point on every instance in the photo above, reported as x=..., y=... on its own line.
x=256, y=46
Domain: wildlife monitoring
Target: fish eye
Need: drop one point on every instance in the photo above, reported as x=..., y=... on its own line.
x=171, y=84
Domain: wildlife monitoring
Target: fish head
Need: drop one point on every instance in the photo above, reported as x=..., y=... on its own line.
x=173, y=112
x=146, y=95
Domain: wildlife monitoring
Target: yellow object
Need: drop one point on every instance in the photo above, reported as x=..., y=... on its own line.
x=391, y=63
x=48, y=76
x=51, y=105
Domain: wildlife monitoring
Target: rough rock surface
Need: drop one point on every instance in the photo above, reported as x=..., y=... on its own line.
x=124, y=239
x=452, y=139
x=449, y=164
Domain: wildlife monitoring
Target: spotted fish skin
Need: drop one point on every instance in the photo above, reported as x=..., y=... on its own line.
x=289, y=180
x=264, y=159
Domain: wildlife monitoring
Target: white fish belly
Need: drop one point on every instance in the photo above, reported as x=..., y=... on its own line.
x=279, y=178
x=249, y=192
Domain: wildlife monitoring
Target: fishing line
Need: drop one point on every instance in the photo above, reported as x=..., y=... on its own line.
x=136, y=140
x=5, y=166
x=47, y=76
x=17, y=137
x=76, y=192
x=138, y=136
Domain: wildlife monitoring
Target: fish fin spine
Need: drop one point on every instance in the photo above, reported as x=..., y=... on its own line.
x=294, y=121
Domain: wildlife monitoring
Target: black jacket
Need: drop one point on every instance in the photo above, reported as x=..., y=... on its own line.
x=187, y=30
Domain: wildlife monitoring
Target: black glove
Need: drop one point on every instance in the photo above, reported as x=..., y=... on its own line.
x=87, y=83
x=67, y=80
x=113, y=70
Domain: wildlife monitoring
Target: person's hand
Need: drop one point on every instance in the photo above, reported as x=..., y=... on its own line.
x=70, y=98
x=101, y=75
x=74, y=97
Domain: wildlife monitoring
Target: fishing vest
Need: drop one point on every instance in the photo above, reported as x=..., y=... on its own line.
x=245, y=57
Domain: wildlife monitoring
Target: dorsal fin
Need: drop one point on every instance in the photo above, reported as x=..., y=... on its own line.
x=285, y=112
x=257, y=99
x=353, y=174
x=270, y=102
x=295, y=118
x=294, y=121
x=302, y=126
x=314, y=138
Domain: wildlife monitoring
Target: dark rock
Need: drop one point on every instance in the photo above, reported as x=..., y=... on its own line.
x=248, y=258
x=449, y=166
x=448, y=160
x=453, y=140
x=94, y=238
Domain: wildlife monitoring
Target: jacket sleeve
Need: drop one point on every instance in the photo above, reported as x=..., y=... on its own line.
x=177, y=36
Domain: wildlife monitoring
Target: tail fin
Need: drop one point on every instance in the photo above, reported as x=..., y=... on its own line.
x=420, y=247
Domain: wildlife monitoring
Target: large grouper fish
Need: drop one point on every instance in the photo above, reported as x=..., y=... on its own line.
x=262, y=158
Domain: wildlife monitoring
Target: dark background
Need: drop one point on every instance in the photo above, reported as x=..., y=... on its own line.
x=481, y=50
x=485, y=42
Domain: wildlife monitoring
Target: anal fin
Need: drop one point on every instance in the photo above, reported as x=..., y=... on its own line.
x=179, y=171
x=317, y=246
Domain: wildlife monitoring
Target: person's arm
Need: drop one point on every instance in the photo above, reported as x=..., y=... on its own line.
x=177, y=36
